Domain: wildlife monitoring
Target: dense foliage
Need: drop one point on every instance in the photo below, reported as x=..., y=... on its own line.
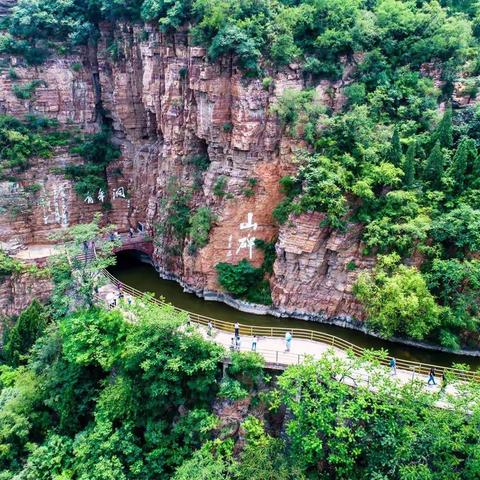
x=20, y=140
x=245, y=281
x=200, y=224
x=98, y=397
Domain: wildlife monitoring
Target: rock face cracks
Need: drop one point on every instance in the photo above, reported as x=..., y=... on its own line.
x=168, y=108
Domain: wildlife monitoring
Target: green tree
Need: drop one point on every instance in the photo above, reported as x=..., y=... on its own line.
x=409, y=166
x=94, y=337
x=84, y=251
x=434, y=168
x=29, y=326
x=463, y=160
x=397, y=300
x=240, y=278
x=200, y=224
x=395, y=155
x=444, y=132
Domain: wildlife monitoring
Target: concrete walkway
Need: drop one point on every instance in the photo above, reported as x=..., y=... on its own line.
x=273, y=350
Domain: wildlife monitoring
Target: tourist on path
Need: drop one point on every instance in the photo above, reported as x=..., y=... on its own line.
x=237, y=343
x=232, y=344
x=209, y=328
x=431, y=377
x=444, y=381
x=393, y=366
x=254, y=343
x=288, y=341
x=237, y=329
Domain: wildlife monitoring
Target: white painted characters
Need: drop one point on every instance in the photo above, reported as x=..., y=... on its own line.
x=247, y=242
x=118, y=192
x=101, y=195
x=249, y=224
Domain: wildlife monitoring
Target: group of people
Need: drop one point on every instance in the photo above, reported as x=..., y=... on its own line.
x=235, y=342
x=431, y=374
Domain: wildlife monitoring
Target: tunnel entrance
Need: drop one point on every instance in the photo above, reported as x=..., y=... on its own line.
x=131, y=258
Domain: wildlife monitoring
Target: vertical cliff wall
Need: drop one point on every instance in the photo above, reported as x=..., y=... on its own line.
x=168, y=105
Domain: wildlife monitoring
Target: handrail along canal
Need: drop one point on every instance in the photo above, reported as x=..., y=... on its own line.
x=418, y=368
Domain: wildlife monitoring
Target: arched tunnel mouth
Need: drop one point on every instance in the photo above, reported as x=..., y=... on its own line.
x=130, y=258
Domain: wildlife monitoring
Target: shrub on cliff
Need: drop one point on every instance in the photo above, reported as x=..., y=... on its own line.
x=200, y=224
x=97, y=151
x=21, y=140
x=238, y=279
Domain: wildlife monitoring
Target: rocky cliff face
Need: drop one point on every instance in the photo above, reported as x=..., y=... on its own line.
x=167, y=105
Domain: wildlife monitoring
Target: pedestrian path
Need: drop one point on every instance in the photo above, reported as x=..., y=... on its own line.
x=273, y=347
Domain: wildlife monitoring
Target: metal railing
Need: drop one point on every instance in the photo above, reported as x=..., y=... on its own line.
x=416, y=368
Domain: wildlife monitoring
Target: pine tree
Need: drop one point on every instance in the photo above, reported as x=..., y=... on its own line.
x=409, y=166
x=444, y=133
x=460, y=164
x=28, y=327
x=396, y=149
x=434, y=168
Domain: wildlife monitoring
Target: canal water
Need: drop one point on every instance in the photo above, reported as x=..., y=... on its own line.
x=142, y=276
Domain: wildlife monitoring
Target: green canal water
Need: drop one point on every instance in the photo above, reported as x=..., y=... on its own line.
x=131, y=271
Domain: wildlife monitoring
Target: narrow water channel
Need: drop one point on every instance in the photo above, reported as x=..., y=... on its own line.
x=131, y=271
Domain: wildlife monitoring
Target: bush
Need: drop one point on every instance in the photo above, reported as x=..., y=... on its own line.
x=200, y=224
x=227, y=127
x=397, y=300
x=22, y=140
x=232, y=390
x=97, y=152
x=238, y=279
x=28, y=327
x=219, y=186
x=247, y=367
x=26, y=91
x=200, y=162
x=267, y=83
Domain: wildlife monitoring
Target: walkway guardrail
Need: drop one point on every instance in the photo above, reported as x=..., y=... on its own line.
x=416, y=368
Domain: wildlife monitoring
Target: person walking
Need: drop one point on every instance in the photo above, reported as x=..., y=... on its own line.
x=393, y=366
x=237, y=343
x=444, y=381
x=431, y=377
x=254, y=343
x=237, y=329
x=288, y=341
x=232, y=344
x=209, y=328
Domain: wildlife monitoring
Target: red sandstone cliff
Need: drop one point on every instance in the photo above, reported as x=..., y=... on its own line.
x=168, y=104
